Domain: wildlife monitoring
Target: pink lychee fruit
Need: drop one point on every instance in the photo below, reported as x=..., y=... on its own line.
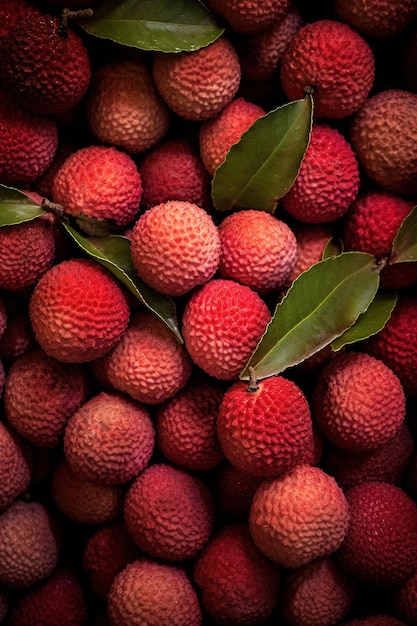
x=244, y=16
x=16, y=465
x=376, y=18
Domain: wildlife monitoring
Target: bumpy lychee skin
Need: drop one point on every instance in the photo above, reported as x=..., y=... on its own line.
x=264, y=430
x=15, y=466
x=222, y=324
x=124, y=109
x=109, y=439
x=12, y=11
x=217, y=135
x=384, y=148
x=311, y=242
x=149, y=592
x=28, y=142
x=328, y=180
x=316, y=594
x=99, y=182
x=405, y=599
x=36, y=47
x=380, y=547
x=168, y=512
x=233, y=491
x=29, y=544
x=244, y=16
x=83, y=501
x=78, y=311
x=148, y=364
x=335, y=61
x=198, y=85
x=257, y=250
x=364, y=230
x=44, y=183
x=396, y=343
x=376, y=18
x=173, y=170
x=58, y=600
x=238, y=584
x=17, y=338
x=185, y=425
x=107, y=551
x=379, y=619
x=175, y=246
x=358, y=402
x=299, y=517
x=41, y=394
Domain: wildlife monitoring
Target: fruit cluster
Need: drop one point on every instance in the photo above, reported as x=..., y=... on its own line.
x=207, y=413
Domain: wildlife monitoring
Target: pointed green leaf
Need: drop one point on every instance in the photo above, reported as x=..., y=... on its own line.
x=404, y=247
x=333, y=247
x=16, y=207
x=262, y=166
x=370, y=322
x=113, y=252
x=158, y=25
x=320, y=305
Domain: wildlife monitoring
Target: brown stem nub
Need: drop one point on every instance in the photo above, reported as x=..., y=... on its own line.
x=253, y=383
x=52, y=207
x=67, y=15
x=308, y=90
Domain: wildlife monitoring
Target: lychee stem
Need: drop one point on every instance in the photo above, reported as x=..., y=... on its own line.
x=67, y=15
x=308, y=90
x=253, y=383
x=52, y=207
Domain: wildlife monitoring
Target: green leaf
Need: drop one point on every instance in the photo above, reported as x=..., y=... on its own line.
x=404, y=247
x=262, y=166
x=320, y=305
x=333, y=247
x=370, y=322
x=113, y=252
x=158, y=25
x=16, y=207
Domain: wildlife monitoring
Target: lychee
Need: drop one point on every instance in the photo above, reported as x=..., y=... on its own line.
x=197, y=85
x=124, y=108
x=168, y=512
x=15, y=466
x=376, y=18
x=299, y=517
x=148, y=364
x=78, y=311
x=311, y=242
x=175, y=246
x=358, y=402
x=244, y=16
x=404, y=598
x=380, y=546
x=109, y=439
x=257, y=250
x=18, y=336
x=221, y=325
x=334, y=61
x=328, y=180
x=12, y=11
x=378, y=619
x=233, y=490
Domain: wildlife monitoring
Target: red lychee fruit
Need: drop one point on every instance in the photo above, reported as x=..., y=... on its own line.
x=221, y=325
x=39, y=46
x=370, y=226
x=40, y=396
x=175, y=246
x=198, y=85
x=12, y=11
x=83, y=501
x=244, y=16
x=168, y=512
x=28, y=143
x=17, y=338
x=375, y=620
x=311, y=242
x=299, y=517
x=404, y=598
x=124, y=108
x=381, y=134
x=44, y=183
x=376, y=18
x=358, y=402
x=150, y=592
x=99, y=182
x=78, y=311
x=3, y=316
x=328, y=180
x=15, y=466
x=380, y=546
x=109, y=439
x=264, y=428
x=29, y=542
x=233, y=490
x=107, y=551
x=238, y=584
x=217, y=135
x=396, y=343
x=257, y=250
x=185, y=426
x=335, y=61
x=173, y=170
x=316, y=594
x=148, y=364
x=58, y=600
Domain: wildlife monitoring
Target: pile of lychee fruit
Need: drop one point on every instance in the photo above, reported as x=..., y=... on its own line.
x=144, y=481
